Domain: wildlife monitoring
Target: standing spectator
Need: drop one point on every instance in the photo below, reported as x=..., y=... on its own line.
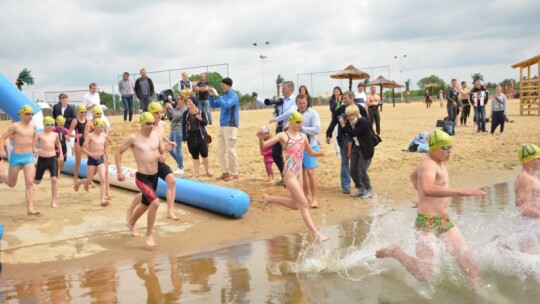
x=184, y=82
x=335, y=102
x=465, y=104
x=266, y=152
x=311, y=126
x=303, y=90
x=176, y=115
x=193, y=131
x=144, y=89
x=372, y=103
x=202, y=89
x=479, y=97
x=65, y=109
x=229, y=105
x=282, y=117
x=362, y=152
x=90, y=100
x=452, y=101
x=498, y=110
x=427, y=99
x=126, y=89
x=441, y=97
x=360, y=96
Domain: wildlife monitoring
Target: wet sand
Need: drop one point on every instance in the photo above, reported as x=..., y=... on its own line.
x=81, y=231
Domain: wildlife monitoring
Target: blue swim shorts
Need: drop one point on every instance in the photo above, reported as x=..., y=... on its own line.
x=21, y=159
x=310, y=162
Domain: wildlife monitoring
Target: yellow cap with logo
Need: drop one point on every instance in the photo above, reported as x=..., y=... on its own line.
x=26, y=109
x=438, y=139
x=98, y=122
x=81, y=109
x=528, y=152
x=60, y=120
x=154, y=107
x=97, y=110
x=295, y=117
x=146, y=117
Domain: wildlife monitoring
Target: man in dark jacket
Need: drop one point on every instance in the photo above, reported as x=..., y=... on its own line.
x=479, y=99
x=144, y=89
x=65, y=109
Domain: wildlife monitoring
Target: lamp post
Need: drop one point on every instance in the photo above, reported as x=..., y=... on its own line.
x=263, y=57
x=400, y=72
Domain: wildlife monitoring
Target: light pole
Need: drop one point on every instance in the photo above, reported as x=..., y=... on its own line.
x=263, y=57
x=401, y=72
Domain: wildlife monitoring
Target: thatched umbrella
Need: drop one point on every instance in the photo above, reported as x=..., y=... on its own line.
x=430, y=86
x=350, y=73
x=385, y=83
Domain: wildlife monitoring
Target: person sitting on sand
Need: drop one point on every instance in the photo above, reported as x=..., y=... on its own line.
x=22, y=157
x=95, y=147
x=294, y=143
x=48, y=143
x=431, y=181
x=148, y=150
x=527, y=190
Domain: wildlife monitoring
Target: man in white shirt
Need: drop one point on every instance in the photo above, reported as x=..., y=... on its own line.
x=360, y=96
x=90, y=100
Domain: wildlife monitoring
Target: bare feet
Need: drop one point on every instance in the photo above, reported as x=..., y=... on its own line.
x=86, y=187
x=172, y=216
x=321, y=237
x=76, y=186
x=209, y=174
x=108, y=197
x=54, y=205
x=314, y=204
x=388, y=252
x=132, y=229
x=104, y=203
x=265, y=202
x=150, y=241
x=32, y=212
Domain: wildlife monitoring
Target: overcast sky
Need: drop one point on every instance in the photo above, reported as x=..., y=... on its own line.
x=68, y=44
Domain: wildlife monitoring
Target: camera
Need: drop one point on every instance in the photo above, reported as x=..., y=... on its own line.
x=167, y=96
x=275, y=102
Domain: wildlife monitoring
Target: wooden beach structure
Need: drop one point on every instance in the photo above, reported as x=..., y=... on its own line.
x=529, y=89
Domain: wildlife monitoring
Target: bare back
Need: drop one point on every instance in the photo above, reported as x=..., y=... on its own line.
x=527, y=189
x=47, y=143
x=430, y=172
x=23, y=137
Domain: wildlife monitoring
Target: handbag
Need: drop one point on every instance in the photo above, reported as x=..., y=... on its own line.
x=208, y=139
x=376, y=138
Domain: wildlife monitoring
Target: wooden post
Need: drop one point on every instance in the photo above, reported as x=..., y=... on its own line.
x=520, y=92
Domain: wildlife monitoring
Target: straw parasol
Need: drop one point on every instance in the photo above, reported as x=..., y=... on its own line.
x=350, y=73
x=385, y=83
x=430, y=86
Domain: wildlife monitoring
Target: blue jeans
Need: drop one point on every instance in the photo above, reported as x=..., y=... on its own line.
x=128, y=106
x=205, y=107
x=345, y=174
x=480, y=114
x=176, y=153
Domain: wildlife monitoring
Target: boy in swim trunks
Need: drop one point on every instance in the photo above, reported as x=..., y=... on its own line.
x=148, y=150
x=431, y=181
x=63, y=135
x=22, y=134
x=294, y=143
x=95, y=146
x=527, y=189
x=48, y=142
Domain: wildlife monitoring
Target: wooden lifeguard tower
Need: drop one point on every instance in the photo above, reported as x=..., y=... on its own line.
x=529, y=90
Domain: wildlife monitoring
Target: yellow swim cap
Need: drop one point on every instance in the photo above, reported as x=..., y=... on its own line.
x=154, y=107
x=98, y=122
x=26, y=109
x=295, y=117
x=97, y=110
x=438, y=139
x=48, y=120
x=146, y=117
x=528, y=152
x=81, y=109
x=60, y=120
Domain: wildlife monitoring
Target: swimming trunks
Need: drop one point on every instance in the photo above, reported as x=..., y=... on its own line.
x=95, y=162
x=148, y=185
x=21, y=159
x=163, y=170
x=46, y=163
x=294, y=154
x=433, y=223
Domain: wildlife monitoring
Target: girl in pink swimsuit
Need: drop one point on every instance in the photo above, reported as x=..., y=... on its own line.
x=293, y=143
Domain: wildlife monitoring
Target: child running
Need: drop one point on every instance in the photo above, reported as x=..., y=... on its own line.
x=22, y=134
x=63, y=135
x=294, y=143
x=147, y=148
x=78, y=126
x=267, y=154
x=48, y=143
x=95, y=147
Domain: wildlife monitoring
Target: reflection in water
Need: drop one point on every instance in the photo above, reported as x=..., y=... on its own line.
x=289, y=269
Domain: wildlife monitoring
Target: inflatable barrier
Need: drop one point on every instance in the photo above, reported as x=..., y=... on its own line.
x=226, y=201
x=11, y=100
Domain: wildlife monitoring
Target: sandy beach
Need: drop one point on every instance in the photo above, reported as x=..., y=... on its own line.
x=81, y=230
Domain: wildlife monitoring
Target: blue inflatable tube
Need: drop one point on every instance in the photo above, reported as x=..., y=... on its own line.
x=11, y=101
x=222, y=200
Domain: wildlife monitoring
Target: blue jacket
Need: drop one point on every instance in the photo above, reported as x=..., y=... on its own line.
x=229, y=105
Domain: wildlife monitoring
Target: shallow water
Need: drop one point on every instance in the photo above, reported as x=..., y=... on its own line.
x=289, y=269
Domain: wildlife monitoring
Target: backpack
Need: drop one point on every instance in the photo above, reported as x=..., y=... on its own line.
x=448, y=127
